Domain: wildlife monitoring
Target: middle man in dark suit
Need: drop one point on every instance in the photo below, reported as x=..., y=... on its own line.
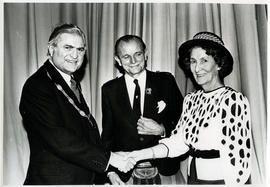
x=138, y=109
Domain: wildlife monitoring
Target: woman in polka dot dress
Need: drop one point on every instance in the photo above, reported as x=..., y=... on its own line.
x=214, y=129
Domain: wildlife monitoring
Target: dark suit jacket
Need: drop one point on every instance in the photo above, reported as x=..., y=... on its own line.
x=65, y=148
x=120, y=125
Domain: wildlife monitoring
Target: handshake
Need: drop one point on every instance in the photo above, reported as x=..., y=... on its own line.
x=124, y=161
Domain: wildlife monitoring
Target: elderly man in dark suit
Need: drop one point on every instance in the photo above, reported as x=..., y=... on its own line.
x=65, y=145
x=138, y=109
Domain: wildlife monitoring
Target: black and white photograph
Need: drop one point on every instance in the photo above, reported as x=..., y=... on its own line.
x=134, y=93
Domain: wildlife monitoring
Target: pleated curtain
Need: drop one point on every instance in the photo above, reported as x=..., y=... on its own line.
x=163, y=27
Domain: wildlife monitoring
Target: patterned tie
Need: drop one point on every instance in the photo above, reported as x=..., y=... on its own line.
x=74, y=88
x=137, y=100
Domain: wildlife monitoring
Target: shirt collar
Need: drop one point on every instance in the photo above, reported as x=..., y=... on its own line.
x=65, y=76
x=141, y=78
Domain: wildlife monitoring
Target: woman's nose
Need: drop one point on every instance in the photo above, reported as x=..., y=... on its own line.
x=197, y=67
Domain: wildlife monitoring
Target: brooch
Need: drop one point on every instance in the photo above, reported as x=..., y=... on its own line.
x=148, y=91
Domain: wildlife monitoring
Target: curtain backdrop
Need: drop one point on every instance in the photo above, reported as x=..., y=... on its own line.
x=163, y=27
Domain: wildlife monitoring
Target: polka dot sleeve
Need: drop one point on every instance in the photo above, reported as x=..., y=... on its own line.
x=175, y=142
x=235, y=150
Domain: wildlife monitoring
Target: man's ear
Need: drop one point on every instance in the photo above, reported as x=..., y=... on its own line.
x=116, y=58
x=146, y=54
x=51, y=50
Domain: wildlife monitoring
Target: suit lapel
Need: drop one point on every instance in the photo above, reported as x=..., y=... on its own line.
x=123, y=95
x=124, y=102
x=150, y=100
x=58, y=79
x=151, y=96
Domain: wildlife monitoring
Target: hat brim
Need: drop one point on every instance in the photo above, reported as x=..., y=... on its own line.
x=186, y=46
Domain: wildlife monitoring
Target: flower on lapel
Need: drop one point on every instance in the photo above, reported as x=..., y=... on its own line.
x=148, y=91
x=161, y=106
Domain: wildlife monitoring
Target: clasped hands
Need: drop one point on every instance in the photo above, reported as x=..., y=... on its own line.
x=125, y=161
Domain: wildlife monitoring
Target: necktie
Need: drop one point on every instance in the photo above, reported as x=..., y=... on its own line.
x=74, y=88
x=137, y=100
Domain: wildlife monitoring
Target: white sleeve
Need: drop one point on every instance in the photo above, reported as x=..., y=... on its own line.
x=235, y=150
x=175, y=143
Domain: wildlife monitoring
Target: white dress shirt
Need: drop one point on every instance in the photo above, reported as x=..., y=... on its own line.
x=65, y=76
x=131, y=87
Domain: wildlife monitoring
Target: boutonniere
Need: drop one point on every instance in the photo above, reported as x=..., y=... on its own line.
x=161, y=105
x=148, y=91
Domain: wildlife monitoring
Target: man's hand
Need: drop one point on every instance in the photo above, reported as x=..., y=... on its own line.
x=148, y=126
x=121, y=161
x=115, y=179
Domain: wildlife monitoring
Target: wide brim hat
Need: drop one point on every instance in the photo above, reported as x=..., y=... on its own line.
x=206, y=39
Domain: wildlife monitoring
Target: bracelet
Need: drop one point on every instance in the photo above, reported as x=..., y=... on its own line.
x=167, y=155
x=153, y=153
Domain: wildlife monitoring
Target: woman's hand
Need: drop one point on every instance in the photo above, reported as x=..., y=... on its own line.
x=141, y=154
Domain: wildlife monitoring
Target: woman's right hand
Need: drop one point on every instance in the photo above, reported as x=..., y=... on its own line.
x=140, y=154
x=115, y=179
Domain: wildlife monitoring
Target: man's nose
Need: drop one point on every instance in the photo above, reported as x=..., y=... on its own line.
x=74, y=53
x=132, y=60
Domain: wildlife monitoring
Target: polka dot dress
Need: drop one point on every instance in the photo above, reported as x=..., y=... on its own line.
x=218, y=120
